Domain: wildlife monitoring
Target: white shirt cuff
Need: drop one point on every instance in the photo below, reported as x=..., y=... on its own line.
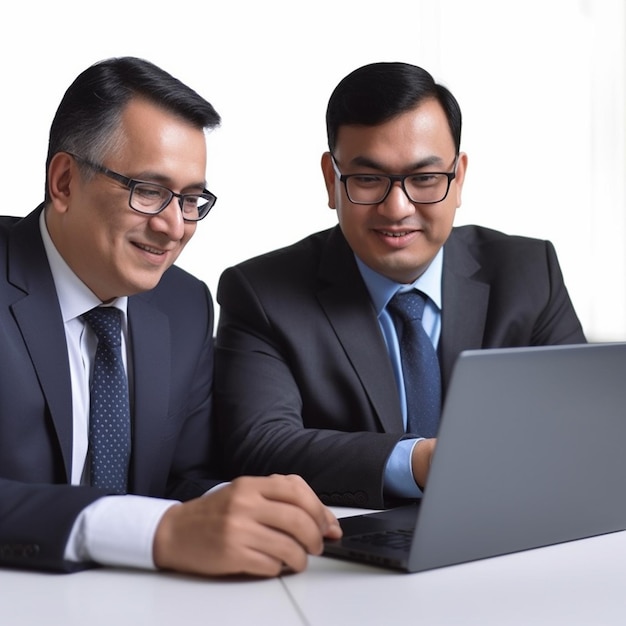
x=117, y=531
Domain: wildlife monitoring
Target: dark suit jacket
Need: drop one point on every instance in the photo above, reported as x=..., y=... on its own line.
x=304, y=382
x=170, y=332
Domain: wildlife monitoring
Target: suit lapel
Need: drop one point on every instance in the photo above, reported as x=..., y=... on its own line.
x=151, y=356
x=344, y=298
x=38, y=315
x=346, y=302
x=465, y=301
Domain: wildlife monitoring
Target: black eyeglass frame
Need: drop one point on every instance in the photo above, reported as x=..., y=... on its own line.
x=131, y=183
x=392, y=178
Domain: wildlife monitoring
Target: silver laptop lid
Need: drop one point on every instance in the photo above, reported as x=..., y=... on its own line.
x=531, y=452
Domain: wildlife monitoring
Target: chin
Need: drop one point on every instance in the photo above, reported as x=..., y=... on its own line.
x=133, y=288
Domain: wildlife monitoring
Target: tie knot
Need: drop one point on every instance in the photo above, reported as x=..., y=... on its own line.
x=408, y=305
x=106, y=323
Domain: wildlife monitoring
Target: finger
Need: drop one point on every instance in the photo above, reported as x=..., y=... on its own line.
x=278, y=548
x=292, y=522
x=333, y=528
x=292, y=489
x=324, y=518
x=259, y=547
x=254, y=500
x=197, y=537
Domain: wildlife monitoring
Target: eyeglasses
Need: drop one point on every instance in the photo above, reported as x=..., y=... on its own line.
x=421, y=188
x=151, y=199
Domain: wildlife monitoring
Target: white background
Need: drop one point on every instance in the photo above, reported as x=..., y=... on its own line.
x=541, y=84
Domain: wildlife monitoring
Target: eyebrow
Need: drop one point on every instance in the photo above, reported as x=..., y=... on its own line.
x=159, y=179
x=364, y=161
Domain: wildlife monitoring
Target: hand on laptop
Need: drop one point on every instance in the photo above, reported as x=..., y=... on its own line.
x=421, y=460
x=253, y=525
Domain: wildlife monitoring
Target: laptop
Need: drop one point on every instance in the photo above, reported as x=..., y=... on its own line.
x=531, y=452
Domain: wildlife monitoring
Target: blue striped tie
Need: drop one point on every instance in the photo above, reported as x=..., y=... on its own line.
x=420, y=365
x=109, y=420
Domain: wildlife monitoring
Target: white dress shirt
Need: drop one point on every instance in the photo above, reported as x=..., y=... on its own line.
x=114, y=530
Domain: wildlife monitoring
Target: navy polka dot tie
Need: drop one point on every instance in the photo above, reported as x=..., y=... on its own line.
x=109, y=420
x=420, y=365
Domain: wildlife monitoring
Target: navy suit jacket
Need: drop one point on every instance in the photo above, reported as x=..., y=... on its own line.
x=304, y=382
x=170, y=330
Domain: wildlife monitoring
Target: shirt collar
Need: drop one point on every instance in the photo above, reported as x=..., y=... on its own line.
x=382, y=289
x=75, y=298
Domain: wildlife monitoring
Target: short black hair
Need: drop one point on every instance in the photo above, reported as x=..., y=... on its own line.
x=378, y=92
x=91, y=108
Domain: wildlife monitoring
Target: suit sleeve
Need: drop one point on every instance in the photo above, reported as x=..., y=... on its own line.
x=195, y=465
x=557, y=323
x=35, y=523
x=528, y=303
x=288, y=401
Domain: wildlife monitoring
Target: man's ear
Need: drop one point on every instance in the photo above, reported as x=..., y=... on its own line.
x=461, y=168
x=330, y=178
x=60, y=172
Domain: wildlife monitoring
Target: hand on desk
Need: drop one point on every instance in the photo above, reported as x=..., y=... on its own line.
x=421, y=460
x=253, y=525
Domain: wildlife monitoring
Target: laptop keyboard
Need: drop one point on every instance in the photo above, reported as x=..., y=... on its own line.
x=396, y=539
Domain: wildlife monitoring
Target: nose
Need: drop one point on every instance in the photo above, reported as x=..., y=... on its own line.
x=170, y=220
x=397, y=205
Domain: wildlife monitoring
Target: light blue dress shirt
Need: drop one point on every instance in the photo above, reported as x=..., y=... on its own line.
x=398, y=479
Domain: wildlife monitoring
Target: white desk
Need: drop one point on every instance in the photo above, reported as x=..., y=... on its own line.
x=110, y=597
x=574, y=584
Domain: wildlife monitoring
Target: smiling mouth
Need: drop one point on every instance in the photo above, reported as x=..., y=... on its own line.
x=402, y=233
x=149, y=249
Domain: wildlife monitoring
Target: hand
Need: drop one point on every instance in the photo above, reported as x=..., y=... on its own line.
x=421, y=459
x=253, y=525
